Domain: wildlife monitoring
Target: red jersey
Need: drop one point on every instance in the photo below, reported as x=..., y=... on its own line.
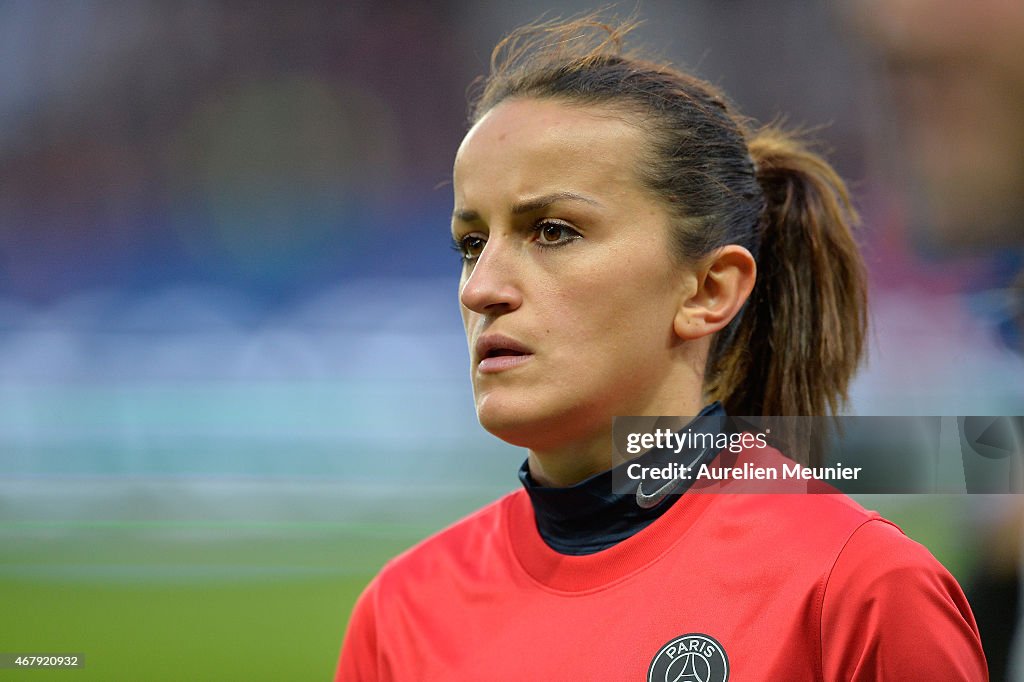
x=720, y=587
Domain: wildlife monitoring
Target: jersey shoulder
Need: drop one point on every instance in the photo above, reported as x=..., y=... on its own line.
x=801, y=522
x=467, y=542
x=892, y=611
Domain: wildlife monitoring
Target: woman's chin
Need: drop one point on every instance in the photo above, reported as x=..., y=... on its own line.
x=511, y=428
x=514, y=422
x=531, y=426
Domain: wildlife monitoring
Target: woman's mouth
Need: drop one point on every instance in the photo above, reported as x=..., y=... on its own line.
x=498, y=353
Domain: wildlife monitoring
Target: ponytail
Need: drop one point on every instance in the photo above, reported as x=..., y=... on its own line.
x=801, y=336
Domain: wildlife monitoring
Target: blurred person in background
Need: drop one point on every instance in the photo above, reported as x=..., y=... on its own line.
x=955, y=72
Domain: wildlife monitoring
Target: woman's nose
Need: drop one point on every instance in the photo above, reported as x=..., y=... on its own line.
x=493, y=285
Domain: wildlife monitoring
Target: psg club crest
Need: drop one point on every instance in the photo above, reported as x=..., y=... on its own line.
x=690, y=658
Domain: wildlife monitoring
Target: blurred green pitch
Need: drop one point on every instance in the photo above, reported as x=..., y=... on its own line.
x=182, y=601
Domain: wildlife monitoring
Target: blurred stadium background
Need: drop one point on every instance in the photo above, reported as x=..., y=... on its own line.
x=233, y=380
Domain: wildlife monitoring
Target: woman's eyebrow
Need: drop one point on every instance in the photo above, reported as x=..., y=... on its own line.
x=465, y=215
x=528, y=205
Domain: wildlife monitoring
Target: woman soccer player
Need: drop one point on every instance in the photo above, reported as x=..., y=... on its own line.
x=630, y=247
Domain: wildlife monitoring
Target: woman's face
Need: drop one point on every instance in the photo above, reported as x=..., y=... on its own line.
x=569, y=288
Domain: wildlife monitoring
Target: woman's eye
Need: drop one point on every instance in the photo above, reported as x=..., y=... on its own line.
x=551, y=233
x=470, y=246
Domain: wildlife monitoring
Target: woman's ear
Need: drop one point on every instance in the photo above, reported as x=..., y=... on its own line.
x=724, y=280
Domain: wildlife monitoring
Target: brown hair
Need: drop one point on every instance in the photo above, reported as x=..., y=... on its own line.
x=795, y=345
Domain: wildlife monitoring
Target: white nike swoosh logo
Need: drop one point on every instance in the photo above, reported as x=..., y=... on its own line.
x=645, y=501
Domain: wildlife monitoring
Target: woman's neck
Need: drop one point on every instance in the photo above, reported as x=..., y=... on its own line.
x=578, y=459
x=598, y=511
x=560, y=469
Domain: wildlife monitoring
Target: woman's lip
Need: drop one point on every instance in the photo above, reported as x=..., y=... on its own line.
x=501, y=363
x=488, y=344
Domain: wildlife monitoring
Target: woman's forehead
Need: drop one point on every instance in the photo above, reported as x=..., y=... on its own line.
x=527, y=141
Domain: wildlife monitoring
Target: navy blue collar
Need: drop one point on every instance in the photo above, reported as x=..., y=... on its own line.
x=590, y=516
